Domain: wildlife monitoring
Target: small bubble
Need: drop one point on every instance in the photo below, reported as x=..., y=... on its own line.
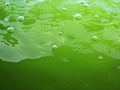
x=21, y=18
x=100, y=57
x=77, y=16
x=113, y=5
x=95, y=38
x=118, y=67
x=54, y=46
x=7, y=3
x=82, y=2
x=86, y=5
x=6, y=20
x=60, y=33
x=96, y=16
x=108, y=13
x=64, y=9
x=95, y=3
x=10, y=29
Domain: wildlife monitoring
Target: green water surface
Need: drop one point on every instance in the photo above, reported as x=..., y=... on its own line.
x=59, y=44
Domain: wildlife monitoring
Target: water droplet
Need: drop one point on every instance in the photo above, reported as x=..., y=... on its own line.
x=82, y=2
x=95, y=3
x=86, y=5
x=118, y=67
x=95, y=38
x=100, y=57
x=21, y=18
x=6, y=20
x=108, y=13
x=60, y=33
x=64, y=9
x=96, y=16
x=10, y=29
x=7, y=3
x=113, y=5
x=77, y=16
x=54, y=46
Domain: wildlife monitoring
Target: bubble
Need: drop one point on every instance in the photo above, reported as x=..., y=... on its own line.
x=54, y=46
x=113, y=5
x=108, y=13
x=77, y=16
x=82, y=2
x=6, y=20
x=7, y=3
x=95, y=3
x=100, y=57
x=60, y=33
x=64, y=9
x=86, y=5
x=10, y=29
x=96, y=16
x=95, y=38
x=21, y=18
x=118, y=67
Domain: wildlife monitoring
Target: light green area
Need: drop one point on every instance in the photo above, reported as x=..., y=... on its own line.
x=44, y=20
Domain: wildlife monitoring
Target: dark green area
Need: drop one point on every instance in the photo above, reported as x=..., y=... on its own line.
x=54, y=73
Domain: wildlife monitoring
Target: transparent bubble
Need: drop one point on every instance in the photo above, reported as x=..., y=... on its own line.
x=21, y=18
x=10, y=29
x=64, y=9
x=100, y=57
x=96, y=16
x=118, y=67
x=82, y=2
x=54, y=46
x=7, y=3
x=78, y=16
x=95, y=38
x=60, y=33
x=6, y=20
x=108, y=13
x=95, y=3
x=86, y=5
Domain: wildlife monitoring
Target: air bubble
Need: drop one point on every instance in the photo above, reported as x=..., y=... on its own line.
x=64, y=9
x=54, y=46
x=77, y=16
x=82, y=2
x=100, y=57
x=10, y=29
x=7, y=3
x=95, y=3
x=86, y=5
x=21, y=18
x=6, y=20
x=95, y=38
x=60, y=33
x=118, y=67
x=108, y=13
x=96, y=16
